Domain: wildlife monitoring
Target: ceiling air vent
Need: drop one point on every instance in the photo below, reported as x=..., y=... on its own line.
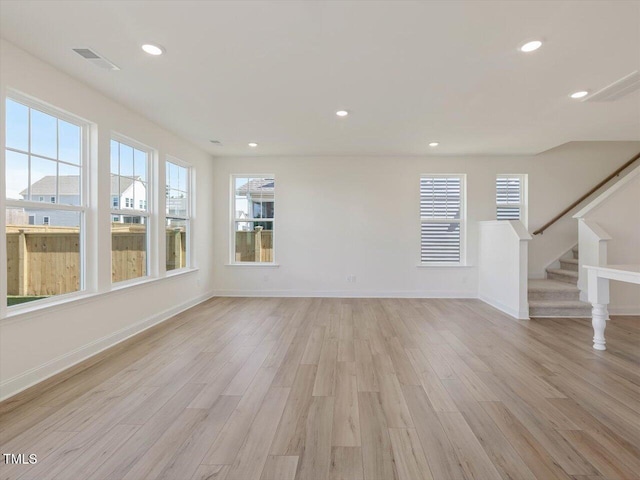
x=95, y=58
x=617, y=89
x=216, y=142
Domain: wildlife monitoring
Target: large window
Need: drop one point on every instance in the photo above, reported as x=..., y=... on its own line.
x=178, y=214
x=45, y=201
x=442, y=219
x=129, y=213
x=510, y=198
x=253, y=203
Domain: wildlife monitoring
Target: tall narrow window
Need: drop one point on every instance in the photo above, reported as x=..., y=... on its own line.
x=129, y=233
x=253, y=202
x=510, y=201
x=45, y=201
x=178, y=215
x=442, y=219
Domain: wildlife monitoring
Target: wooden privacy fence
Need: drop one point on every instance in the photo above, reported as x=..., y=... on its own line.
x=42, y=260
x=254, y=246
x=46, y=260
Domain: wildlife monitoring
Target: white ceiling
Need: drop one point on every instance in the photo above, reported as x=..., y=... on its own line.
x=274, y=72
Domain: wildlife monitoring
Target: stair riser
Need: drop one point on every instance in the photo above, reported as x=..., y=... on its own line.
x=569, y=266
x=562, y=278
x=554, y=295
x=559, y=312
x=575, y=253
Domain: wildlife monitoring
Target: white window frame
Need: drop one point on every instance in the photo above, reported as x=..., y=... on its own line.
x=149, y=213
x=234, y=219
x=83, y=208
x=462, y=221
x=522, y=203
x=188, y=218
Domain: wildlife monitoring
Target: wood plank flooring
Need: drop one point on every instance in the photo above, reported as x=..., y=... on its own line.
x=340, y=389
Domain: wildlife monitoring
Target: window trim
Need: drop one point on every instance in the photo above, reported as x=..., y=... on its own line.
x=149, y=213
x=86, y=283
x=234, y=219
x=189, y=264
x=522, y=204
x=462, y=221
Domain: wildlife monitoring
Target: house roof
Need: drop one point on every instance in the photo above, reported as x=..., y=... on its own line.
x=258, y=185
x=69, y=185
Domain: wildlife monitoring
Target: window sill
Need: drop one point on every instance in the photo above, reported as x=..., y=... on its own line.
x=443, y=265
x=116, y=287
x=181, y=271
x=68, y=300
x=253, y=264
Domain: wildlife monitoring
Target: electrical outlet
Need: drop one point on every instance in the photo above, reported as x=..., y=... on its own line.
x=351, y=279
x=265, y=278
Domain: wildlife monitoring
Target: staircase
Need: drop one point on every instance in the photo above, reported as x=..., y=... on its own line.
x=558, y=295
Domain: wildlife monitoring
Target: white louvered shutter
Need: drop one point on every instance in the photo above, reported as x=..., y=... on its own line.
x=509, y=197
x=441, y=211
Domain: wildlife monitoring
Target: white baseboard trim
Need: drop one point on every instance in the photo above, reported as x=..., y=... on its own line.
x=344, y=294
x=512, y=312
x=624, y=310
x=15, y=385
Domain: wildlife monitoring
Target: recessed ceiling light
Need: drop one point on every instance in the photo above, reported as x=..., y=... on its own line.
x=580, y=94
x=253, y=144
x=152, y=49
x=531, y=46
x=434, y=144
x=342, y=113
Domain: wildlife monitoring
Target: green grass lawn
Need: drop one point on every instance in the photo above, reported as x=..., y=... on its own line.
x=16, y=300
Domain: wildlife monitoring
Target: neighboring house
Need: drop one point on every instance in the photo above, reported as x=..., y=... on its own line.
x=126, y=194
x=257, y=198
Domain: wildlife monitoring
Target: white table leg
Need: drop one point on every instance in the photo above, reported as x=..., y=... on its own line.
x=599, y=322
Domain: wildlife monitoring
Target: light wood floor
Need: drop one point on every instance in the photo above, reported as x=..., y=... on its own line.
x=279, y=389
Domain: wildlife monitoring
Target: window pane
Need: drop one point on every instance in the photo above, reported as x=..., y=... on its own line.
x=43, y=180
x=177, y=203
x=241, y=202
x=508, y=190
x=440, y=242
x=48, y=242
x=440, y=197
x=44, y=135
x=140, y=164
x=128, y=248
x=254, y=242
x=139, y=197
x=68, y=184
x=69, y=138
x=17, y=177
x=508, y=213
x=176, y=243
x=126, y=160
x=182, y=179
x=17, y=128
x=115, y=155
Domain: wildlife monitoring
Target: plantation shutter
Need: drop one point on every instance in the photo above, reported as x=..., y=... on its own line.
x=508, y=197
x=441, y=215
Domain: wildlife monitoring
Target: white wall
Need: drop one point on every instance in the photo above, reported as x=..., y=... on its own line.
x=36, y=344
x=618, y=214
x=339, y=216
x=502, y=266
